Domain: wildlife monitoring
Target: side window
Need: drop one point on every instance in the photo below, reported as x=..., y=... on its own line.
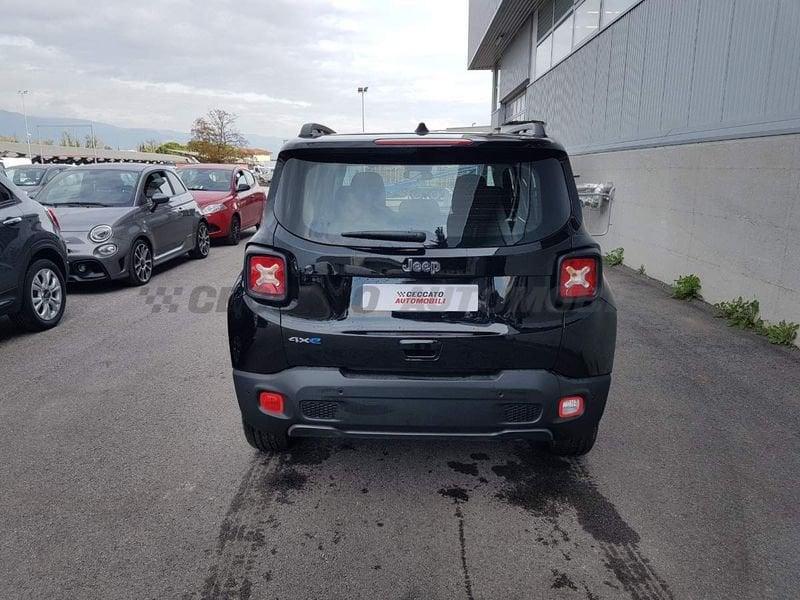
x=6, y=197
x=176, y=183
x=250, y=179
x=157, y=183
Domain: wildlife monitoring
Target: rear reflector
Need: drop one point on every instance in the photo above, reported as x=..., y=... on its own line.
x=578, y=278
x=570, y=407
x=423, y=142
x=266, y=277
x=271, y=402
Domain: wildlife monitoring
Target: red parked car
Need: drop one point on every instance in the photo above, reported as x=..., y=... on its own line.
x=229, y=197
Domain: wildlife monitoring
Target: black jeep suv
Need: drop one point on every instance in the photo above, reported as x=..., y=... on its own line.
x=422, y=285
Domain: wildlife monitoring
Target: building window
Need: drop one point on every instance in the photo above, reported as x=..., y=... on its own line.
x=544, y=53
x=562, y=40
x=587, y=20
x=515, y=108
x=563, y=25
x=613, y=9
x=544, y=20
x=561, y=8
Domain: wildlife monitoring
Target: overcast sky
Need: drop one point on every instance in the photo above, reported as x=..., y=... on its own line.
x=276, y=63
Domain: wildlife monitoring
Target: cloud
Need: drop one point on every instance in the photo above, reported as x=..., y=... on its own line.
x=277, y=63
x=225, y=95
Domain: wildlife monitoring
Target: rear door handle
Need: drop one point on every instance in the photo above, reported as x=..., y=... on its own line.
x=12, y=221
x=421, y=349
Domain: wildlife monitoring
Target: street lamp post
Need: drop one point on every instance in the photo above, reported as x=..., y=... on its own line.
x=22, y=94
x=362, y=91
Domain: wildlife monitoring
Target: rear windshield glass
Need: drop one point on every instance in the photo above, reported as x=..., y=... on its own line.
x=454, y=205
x=25, y=176
x=207, y=180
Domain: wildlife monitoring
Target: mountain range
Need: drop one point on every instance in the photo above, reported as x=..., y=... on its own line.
x=121, y=138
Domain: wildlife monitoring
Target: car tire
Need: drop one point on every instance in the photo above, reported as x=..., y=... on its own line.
x=235, y=232
x=574, y=446
x=45, y=297
x=140, y=263
x=265, y=441
x=202, y=242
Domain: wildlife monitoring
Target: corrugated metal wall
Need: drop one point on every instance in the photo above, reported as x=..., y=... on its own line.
x=516, y=61
x=676, y=71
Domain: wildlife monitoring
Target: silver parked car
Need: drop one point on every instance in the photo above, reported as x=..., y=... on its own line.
x=121, y=220
x=32, y=178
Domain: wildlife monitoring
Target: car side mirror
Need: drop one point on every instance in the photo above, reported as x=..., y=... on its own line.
x=243, y=187
x=158, y=199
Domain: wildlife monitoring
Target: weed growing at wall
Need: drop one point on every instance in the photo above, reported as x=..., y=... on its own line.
x=642, y=270
x=740, y=313
x=782, y=333
x=686, y=287
x=743, y=314
x=614, y=257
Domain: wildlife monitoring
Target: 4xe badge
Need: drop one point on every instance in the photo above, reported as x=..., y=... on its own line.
x=421, y=266
x=306, y=340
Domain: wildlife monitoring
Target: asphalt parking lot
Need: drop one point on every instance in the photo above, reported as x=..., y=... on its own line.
x=125, y=475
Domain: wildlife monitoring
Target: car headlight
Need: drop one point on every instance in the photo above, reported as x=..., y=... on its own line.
x=212, y=208
x=106, y=250
x=101, y=233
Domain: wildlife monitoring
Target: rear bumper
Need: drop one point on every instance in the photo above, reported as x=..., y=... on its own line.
x=327, y=402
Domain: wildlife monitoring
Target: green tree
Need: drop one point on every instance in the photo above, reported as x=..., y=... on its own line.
x=215, y=137
x=167, y=147
x=148, y=146
x=92, y=141
x=67, y=139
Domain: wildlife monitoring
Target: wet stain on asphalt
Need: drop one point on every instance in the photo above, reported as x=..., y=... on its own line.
x=544, y=485
x=554, y=491
x=463, y=544
x=241, y=541
x=547, y=486
x=456, y=493
x=310, y=454
x=459, y=495
x=562, y=580
x=465, y=468
x=286, y=481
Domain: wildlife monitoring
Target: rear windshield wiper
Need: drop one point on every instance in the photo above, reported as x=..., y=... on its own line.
x=389, y=236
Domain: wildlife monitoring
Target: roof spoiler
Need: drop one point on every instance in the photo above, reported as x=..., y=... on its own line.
x=534, y=128
x=314, y=130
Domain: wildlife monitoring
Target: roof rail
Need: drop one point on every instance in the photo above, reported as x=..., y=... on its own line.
x=534, y=128
x=314, y=130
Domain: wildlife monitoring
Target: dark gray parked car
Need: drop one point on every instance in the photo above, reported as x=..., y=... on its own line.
x=33, y=261
x=121, y=220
